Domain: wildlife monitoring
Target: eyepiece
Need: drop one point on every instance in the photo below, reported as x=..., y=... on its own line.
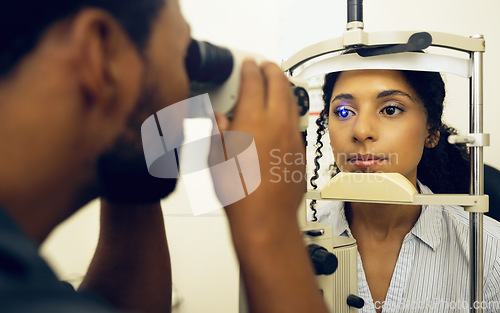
x=208, y=63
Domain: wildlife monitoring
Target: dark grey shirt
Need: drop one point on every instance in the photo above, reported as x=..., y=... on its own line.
x=27, y=284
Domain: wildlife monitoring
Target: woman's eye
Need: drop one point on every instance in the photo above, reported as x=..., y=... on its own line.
x=343, y=112
x=391, y=110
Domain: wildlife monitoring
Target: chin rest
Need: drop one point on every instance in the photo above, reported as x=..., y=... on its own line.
x=393, y=188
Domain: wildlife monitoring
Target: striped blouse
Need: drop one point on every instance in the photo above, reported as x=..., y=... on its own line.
x=432, y=269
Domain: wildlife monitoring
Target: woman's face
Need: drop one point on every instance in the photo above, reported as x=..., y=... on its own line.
x=377, y=123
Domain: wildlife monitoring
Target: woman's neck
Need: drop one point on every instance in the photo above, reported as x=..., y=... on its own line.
x=381, y=220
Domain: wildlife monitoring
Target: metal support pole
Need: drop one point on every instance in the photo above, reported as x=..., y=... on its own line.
x=476, y=183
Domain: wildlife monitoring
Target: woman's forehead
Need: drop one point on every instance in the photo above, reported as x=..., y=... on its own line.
x=372, y=80
x=371, y=75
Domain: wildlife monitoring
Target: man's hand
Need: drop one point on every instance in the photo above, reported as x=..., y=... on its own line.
x=268, y=111
x=275, y=267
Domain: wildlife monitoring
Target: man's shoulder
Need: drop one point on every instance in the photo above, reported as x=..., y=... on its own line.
x=29, y=302
x=27, y=284
x=20, y=262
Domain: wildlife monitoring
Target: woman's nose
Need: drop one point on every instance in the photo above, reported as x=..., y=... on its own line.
x=365, y=129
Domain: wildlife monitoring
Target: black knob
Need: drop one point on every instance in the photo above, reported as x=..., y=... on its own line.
x=302, y=98
x=355, y=301
x=324, y=262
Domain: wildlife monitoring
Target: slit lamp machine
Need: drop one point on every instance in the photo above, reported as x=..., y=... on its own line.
x=216, y=70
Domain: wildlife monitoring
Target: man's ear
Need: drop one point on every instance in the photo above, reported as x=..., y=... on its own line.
x=108, y=64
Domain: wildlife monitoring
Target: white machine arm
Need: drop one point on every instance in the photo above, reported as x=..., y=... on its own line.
x=360, y=38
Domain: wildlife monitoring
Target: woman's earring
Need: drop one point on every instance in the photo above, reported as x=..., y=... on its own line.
x=430, y=142
x=432, y=139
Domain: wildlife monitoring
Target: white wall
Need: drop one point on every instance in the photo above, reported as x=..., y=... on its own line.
x=203, y=261
x=278, y=28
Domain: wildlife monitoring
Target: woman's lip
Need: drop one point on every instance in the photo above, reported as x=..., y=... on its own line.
x=363, y=163
x=365, y=157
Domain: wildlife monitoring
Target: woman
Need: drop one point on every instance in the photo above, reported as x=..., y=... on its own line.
x=410, y=258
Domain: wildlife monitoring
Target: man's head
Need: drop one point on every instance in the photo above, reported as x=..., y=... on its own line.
x=24, y=22
x=123, y=168
x=76, y=80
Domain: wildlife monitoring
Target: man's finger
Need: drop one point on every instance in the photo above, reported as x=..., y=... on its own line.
x=252, y=90
x=223, y=123
x=281, y=102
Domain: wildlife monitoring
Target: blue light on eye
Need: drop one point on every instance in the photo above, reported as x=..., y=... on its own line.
x=343, y=112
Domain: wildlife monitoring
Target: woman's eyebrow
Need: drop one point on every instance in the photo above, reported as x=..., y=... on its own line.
x=387, y=93
x=343, y=96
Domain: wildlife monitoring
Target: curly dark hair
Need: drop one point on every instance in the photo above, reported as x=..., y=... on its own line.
x=444, y=168
x=23, y=22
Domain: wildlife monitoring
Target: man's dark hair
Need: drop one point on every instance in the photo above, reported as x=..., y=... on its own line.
x=23, y=22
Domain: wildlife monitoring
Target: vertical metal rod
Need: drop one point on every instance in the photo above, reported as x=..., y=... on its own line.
x=354, y=11
x=354, y=14
x=476, y=183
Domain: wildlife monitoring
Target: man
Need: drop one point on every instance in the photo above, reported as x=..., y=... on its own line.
x=77, y=78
